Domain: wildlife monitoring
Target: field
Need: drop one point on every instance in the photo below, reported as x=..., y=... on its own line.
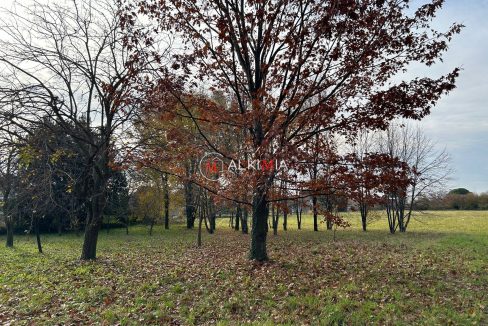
x=436, y=273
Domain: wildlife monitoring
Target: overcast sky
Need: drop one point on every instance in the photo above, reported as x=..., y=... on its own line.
x=460, y=121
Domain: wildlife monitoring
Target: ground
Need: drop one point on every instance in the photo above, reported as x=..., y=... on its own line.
x=436, y=273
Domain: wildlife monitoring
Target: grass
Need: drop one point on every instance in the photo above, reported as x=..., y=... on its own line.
x=435, y=274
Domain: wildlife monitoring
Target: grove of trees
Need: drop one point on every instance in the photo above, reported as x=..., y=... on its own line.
x=109, y=108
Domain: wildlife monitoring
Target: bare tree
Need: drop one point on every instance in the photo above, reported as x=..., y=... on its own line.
x=67, y=62
x=429, y=169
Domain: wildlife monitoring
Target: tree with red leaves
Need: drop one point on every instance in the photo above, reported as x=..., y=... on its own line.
x=292, y=69
x=366, y=176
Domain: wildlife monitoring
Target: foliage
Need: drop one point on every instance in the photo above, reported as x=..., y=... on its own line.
x=436, y=201
x=288, y=72
x=459, y=191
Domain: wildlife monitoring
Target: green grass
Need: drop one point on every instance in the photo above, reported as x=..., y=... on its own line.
x=435, y=274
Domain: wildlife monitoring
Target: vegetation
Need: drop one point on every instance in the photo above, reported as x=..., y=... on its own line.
x=459, y=191
x=419, y=277
x=293, y=77
x=222, y=120
x=453, y=200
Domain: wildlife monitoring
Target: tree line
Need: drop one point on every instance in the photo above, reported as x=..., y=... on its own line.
x=459, y=198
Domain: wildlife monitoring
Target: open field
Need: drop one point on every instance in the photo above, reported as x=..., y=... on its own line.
x=436, y=273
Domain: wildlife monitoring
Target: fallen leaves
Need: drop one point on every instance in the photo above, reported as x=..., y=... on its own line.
x=166, y=280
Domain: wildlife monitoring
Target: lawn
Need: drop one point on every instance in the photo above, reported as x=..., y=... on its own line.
x=436, y=273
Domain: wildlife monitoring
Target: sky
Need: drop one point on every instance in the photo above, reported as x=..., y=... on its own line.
x=459, y=123
x=460, y=120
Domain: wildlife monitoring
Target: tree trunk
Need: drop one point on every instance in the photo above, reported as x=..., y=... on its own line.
x=392, y=218
x=89, y=251
x=238, y=217
x=245, y=227
x=166, y=200
x=299, y=217
x=7, y=213
x=100, y=175
x=189, y=201
x=285, y=219
x=166, y=218
x=38, y=237
x=329, y=225
x=401, y=218
x=199, y=237
x=364, y=215
x=151, y=227
x=10, y=232
x=259, y=227
x=363, y=222
x=401, y=227
x=190, y=217
x=212, y=218
x=276, y=219
x=315, y=217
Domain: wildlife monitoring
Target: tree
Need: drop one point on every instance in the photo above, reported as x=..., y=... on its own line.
x=459, y=191
x=371, y=173
x=34, y=199
x=205, y=211
x=295, y=69
x=118, y=198
x=66, y=62
x=50, y=155
x=149, y=204
x=364, y=189
x=428, y=169
x=8, y=184
x=314, y=174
